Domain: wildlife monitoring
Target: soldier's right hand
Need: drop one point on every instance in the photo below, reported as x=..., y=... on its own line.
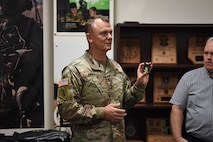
x=113, y=113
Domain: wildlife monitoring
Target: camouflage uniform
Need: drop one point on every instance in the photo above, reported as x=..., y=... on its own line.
x=75, y=18
x=85, y=89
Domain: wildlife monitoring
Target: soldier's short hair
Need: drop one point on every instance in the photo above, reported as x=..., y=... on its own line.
x=72, y=5
x=93, y=8
x=91, y=20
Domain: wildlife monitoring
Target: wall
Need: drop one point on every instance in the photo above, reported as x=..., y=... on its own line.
x=67, y=48
x=164, y=11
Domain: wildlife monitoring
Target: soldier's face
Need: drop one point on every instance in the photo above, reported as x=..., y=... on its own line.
x=74, y=10
x=101, y=37
x=92, y=12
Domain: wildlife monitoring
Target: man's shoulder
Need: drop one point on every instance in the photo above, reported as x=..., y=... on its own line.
x=196, y=70
x=78, y=62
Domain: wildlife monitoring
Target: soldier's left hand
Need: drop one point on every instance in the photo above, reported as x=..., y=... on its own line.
x=143, y=76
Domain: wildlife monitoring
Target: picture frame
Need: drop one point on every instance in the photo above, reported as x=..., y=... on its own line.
x=70, y=26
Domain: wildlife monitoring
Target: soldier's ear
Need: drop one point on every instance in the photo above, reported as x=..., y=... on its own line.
x=89, y=37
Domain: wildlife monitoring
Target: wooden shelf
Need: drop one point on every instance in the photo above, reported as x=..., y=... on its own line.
x=152, y=106
x=138, y=40
x=134, y=141
x=188, y=66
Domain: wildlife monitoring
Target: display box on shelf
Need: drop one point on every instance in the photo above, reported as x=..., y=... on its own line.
x=158, y=126
x=130, y=50
x=164, y=86
x=131, y=128
x=196, y=43
x=164, y=48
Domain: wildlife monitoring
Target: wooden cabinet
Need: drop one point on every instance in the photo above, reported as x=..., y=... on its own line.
x=134, y=43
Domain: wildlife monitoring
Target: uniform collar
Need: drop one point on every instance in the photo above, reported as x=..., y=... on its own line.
x=94, y=64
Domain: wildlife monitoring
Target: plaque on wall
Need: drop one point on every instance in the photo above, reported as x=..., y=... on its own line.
x=164, y=48
x=196, y=43
x=130, y=50
x=164, y=86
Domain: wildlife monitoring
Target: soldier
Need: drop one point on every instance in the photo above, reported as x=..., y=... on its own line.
x=75, y=15
x=94, y=92
x=92, y=11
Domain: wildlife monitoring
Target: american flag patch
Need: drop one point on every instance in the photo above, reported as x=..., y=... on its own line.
x=63, y=82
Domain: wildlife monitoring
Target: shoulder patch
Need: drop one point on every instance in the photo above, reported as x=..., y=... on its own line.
x=63, y=82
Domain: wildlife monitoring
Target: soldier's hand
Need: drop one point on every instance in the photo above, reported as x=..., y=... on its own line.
x=142, y=76
x=113, y=113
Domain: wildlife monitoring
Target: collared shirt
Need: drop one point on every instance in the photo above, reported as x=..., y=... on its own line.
x=85, y=89
x=194, y=92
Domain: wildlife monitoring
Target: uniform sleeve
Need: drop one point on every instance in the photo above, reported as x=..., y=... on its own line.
x=69, y=90
x=133, y=94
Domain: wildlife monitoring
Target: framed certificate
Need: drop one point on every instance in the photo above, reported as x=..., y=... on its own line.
x=196, y=43
x=164, y=48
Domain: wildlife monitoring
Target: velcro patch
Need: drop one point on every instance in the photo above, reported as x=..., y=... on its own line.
x=63, y=82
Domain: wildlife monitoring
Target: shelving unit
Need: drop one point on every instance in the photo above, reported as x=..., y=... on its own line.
x=140, y=47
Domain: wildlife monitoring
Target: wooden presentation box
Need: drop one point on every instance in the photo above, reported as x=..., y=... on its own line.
x=158, y=130
x=164, y=48
x=158, y=126
x=196, y=43
x=130, y=50
x=131, y=125
x=164, y=86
